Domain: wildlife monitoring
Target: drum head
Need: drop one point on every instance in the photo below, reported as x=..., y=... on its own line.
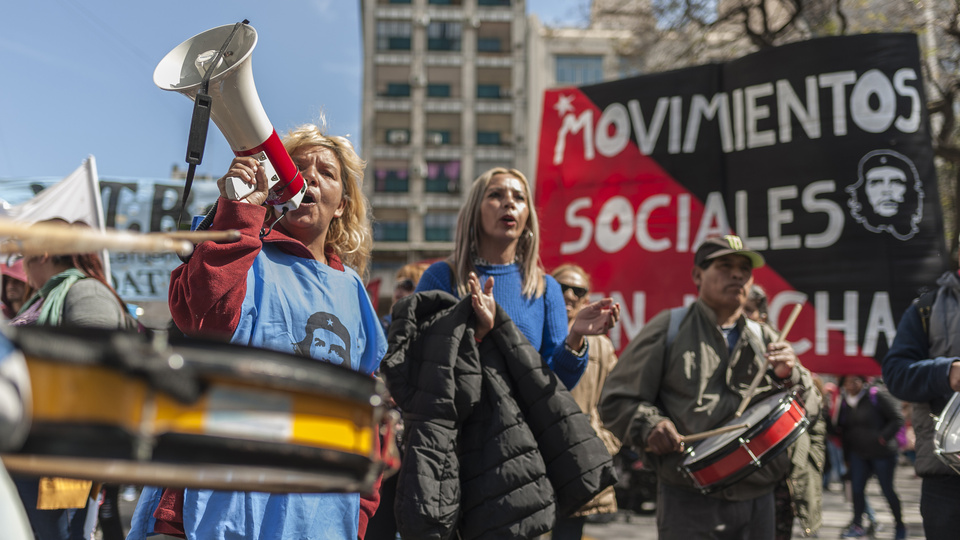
x=948, y=430
x=756, y=415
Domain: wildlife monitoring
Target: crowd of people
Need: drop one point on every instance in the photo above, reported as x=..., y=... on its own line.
x=513, y=398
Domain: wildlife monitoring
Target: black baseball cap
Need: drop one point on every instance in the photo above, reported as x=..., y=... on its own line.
x=718, y=246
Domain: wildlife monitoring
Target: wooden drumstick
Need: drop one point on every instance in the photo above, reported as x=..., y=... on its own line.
x=59, y=239
x=694, y=437
x=231, y=235
x=759, y=376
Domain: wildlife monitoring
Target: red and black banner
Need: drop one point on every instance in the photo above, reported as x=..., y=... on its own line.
x=816, y=153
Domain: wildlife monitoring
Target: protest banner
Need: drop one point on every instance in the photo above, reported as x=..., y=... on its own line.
x=816, y=153
x=144, y=205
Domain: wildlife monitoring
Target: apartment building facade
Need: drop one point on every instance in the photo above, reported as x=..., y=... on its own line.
x=443, y=95
x=452, y=88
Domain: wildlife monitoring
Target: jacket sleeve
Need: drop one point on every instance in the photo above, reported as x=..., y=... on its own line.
x=891, y=412
x=568, y=366
x=207, y=292
x=628, y=401
x=908, y=370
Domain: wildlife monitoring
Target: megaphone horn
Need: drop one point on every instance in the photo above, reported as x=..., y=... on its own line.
x=235, y=108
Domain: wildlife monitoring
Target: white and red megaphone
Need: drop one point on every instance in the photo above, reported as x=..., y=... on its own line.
x=235, y=106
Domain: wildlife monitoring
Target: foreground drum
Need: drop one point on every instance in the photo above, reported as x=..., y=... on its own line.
x=772, y=425
x=125, y=408
x=946, y=440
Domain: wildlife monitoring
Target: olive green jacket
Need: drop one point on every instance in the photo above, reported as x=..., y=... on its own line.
x=698, y=385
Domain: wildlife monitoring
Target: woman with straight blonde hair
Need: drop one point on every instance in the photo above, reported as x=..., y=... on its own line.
x=497, y=244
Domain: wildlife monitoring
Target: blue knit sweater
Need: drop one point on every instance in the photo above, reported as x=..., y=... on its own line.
x=542, y=320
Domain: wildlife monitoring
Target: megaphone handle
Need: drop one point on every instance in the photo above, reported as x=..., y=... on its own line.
x=237, y=189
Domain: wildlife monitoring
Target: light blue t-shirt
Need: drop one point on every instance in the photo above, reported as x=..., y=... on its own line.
x=298, y=306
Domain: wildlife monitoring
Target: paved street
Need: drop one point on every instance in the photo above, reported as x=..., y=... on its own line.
x=837, y=513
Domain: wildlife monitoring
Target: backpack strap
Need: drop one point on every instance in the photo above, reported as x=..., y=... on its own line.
x=676, y=317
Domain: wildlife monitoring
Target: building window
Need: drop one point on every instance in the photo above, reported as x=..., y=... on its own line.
x=493, y=2
x=390, y=231
x=393, y=35
x=488, y=137
x=439, y=227
x=398, y=136
x=579, y=70
x=398, y=90
x=390, y=181
x=398, y=2
x=440, y=2
x=443, y=177
x=443, y=36
x=488, y=91
x=438, y=90
x=488, y=44
x=438, y=137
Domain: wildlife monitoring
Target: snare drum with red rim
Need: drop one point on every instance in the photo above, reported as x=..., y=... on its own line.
x=946, y=440
x=124, y=408
x=772, y=425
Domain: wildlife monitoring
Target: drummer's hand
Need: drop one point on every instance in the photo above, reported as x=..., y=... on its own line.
x=781, y=358
x=249, y=170
x=664, y=439
x=955, y=376
x=484, y=306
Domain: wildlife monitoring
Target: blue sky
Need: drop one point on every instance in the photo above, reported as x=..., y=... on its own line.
x=77, y=78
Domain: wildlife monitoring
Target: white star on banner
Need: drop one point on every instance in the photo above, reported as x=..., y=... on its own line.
x=564, y=105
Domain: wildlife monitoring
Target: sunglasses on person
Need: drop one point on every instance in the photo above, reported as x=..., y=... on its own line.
x=405, y=285
x=579, y=292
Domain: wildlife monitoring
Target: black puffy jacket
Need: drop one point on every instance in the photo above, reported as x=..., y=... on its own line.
x=494, y=445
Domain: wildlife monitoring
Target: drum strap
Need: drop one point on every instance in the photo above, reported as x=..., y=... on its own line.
x=753, y=327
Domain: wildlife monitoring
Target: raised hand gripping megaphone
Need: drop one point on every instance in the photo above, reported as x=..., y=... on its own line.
x=235, y=106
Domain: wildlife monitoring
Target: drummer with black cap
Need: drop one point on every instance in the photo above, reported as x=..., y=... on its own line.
x=687, y=372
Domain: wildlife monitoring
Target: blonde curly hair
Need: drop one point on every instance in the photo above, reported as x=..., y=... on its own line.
x=350, y=236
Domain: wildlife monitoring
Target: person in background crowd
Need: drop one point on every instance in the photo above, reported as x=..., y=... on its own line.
x=836, y=467
x=575, y=284
x=922, y=367
x=406, y=282
x=868, y=421
x=839, y=467
x=694, y=382
x=14, y=289
x=383, y=524
x=756, y=306
x=906, y=437
x=800, y=493
x=70, y=290
x=496, y=260
x=263, y=291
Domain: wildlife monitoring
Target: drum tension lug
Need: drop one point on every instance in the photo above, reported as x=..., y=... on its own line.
x=753, y=458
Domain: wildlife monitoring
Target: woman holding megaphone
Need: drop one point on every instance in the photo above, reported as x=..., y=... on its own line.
x=268, y=290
